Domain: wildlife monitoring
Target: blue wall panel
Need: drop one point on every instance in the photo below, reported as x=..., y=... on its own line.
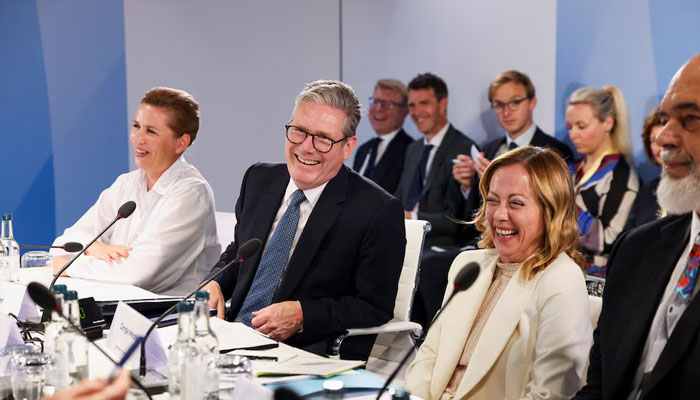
x=27, y=184
x=63, y=118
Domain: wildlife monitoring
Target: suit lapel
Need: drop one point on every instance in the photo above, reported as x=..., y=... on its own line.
x=262, y=215
x=321, y=219
x=454, y=331
x=651, y=276
x=498, y=329
x=684, y=332
x=440, y=155
x=390, y=154
x=538, y=139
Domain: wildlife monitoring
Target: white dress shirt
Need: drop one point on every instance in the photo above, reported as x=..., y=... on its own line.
x=172, y=232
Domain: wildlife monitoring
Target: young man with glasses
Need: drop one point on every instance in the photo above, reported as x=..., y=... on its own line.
x=334, y=242
x=381, y=158
x=512, y=98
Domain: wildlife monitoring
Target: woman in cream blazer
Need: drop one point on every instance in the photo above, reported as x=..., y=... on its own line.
x=535, y=341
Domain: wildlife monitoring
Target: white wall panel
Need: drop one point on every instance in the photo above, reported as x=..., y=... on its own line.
x=466, y=42
x=244, y=61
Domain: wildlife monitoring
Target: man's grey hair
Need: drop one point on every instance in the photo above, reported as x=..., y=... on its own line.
x=335, y=94
x=394, y=85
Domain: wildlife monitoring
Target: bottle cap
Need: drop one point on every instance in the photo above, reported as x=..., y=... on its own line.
x=70, y=295
x=201, y=295
x=185, y=306
x=59, y=288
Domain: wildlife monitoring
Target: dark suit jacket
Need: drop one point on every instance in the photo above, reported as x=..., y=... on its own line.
x=441, y=198
x=645, y=208
x=539, y=139
x=345, y=267
x=387, y=171
x=639, y=268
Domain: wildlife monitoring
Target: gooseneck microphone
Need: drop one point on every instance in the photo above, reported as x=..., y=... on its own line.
x=247, y=250
x=124, y=212
x=70, y=247
x=463, y=281
x=45, y=299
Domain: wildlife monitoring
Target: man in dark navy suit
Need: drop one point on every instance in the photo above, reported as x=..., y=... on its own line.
x=334, y=240
x=381, y=159
x=647, y=342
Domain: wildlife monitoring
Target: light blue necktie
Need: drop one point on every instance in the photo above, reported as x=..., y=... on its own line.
x=273, y=262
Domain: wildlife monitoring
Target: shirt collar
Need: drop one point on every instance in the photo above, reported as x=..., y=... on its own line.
x=524, y=139
x=170, y=175
x=694, y=227
x=386, y=138
x=311, y=195
x=437, y=139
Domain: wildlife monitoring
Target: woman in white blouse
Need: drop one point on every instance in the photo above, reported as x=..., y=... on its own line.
x=169, y=243
x=523, y=329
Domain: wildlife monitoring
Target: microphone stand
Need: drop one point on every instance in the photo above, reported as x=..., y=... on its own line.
x=464, y=279
x=124, y=212
x=250, y=247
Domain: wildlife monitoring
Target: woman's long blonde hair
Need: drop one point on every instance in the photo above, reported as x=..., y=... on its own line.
x=555, y=192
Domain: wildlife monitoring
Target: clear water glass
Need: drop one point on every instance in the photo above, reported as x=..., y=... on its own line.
x=33, y=259
x=29, y=376
x=222, y=374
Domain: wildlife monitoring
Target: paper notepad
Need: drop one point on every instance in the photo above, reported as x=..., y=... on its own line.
x=317, y=366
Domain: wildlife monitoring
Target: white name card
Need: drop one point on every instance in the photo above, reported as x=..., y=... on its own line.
x=15, y=300
x=9, y=332
x=127, y=325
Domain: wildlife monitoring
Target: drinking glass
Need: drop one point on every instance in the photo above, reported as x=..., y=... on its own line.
x=222, y=374
x=33, y=259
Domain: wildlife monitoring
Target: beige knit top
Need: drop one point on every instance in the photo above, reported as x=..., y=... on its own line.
x=501, y=277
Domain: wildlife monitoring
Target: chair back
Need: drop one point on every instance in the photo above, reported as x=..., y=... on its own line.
x=225, y=228
x=415, y=236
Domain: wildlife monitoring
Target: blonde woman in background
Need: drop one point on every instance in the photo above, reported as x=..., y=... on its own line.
x=605, y=183
x=523, y=329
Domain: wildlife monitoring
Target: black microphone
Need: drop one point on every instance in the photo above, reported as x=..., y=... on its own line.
x=124, y=212
x=70, y=247
x=45, y=299
x=463, y=281
x=247, y=250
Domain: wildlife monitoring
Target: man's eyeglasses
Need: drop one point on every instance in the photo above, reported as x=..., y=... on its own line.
x=388, y=104
x=322, y=144
x=513, y=105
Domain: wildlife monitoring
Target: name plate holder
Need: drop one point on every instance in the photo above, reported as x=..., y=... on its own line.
x=127, y=325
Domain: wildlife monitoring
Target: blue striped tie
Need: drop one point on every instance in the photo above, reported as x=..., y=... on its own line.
x=273, y=262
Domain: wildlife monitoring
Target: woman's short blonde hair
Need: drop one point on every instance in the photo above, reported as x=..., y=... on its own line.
x=555, y=192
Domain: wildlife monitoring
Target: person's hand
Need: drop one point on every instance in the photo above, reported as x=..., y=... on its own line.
x=481, y=163
x=279, y=320
x=96, y=389
x=58, y=263
x=216, y=299
x=464, y=171
x=407, y=214
x=108, y=252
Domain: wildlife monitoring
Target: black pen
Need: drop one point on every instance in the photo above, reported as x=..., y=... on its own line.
x=267, y=346
x=254, y=357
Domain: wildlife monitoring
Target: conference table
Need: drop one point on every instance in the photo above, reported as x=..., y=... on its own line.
x=358, y=383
